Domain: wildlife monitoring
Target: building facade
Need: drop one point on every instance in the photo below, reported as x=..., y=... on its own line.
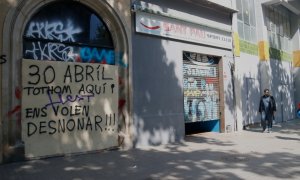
x=83, y=91
x=267, y=33
x=182, y=61
x=81, y=76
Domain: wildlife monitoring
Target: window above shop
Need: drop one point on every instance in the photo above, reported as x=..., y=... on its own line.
x=246, y=20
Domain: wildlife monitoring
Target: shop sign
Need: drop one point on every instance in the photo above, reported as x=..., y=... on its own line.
x=177, y=29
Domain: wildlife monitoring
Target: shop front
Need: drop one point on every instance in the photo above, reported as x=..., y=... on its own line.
x=82, y=76
x=201, y=92
x=184, y=74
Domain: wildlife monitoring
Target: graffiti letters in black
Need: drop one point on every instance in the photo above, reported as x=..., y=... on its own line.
x=3, y=59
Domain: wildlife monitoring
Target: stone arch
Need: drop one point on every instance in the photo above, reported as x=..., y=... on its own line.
x=12, y=43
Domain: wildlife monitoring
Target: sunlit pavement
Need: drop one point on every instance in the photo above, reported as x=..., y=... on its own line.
x=250, y=154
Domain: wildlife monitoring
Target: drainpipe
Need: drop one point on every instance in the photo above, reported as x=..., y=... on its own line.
x=232, y=71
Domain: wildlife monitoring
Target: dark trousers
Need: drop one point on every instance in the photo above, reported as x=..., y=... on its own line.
x=266, y=120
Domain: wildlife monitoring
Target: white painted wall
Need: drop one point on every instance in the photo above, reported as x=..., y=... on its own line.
x=248, y=80
x=282, y=88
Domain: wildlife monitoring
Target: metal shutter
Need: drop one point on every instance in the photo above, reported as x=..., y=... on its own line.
x=201, y=87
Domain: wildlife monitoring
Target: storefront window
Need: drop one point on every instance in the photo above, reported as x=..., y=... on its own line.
x=70, y=32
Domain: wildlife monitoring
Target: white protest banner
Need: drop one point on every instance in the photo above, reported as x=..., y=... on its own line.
x=68, y=107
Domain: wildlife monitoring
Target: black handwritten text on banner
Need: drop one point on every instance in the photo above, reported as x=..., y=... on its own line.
x=68, y=107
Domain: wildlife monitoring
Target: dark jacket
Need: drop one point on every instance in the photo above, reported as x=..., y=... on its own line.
x=272, y=104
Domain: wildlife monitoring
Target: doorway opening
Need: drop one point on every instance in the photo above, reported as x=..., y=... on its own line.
x=201, y=93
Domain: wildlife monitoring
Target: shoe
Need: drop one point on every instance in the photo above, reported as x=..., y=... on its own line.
x=264, y=131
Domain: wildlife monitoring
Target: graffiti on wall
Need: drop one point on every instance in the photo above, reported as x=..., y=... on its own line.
x=73, y=101
x=56, y=31
x=15, y=112
x=2, y=59
x=54, y=38
x=200, y=102
x=201, y=96
x=94, y=55
x=58, y=41
x=53, y=31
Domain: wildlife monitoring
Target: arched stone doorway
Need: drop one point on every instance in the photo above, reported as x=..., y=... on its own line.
x=14, y=46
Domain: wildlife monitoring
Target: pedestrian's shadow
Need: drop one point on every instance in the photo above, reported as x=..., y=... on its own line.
x=287, y=138
x=285, y=127
x=253, y=128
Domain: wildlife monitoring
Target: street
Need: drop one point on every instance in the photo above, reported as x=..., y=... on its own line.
x=250, y=154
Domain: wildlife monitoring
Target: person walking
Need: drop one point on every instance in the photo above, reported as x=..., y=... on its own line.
x=267, y=109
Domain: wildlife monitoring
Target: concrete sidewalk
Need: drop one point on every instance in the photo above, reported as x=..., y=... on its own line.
x=247, y=155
